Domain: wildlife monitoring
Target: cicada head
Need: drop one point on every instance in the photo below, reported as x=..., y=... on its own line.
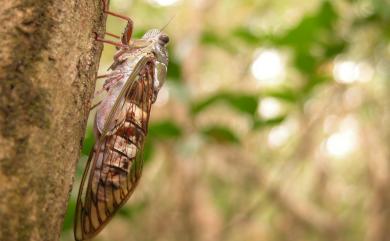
x=158, y=36
x=159, y=41
x=158, y=46
x=163, y=39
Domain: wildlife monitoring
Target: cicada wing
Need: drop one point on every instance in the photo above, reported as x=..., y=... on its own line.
x=118, y=106
x=115, y=164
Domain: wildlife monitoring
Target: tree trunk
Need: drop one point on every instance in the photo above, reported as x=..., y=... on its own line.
x=48, y=64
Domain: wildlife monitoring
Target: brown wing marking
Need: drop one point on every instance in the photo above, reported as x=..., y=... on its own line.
x=116, y=162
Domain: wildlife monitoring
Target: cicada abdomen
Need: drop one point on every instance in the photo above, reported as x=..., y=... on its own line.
x=115, y=164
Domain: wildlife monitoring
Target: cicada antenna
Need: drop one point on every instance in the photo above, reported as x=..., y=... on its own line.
x=170, y=20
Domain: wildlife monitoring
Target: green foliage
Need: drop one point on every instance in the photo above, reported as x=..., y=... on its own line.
x=213, y=39
x=312, y=29
x=260, y=123
x=174, y=70
x=69, y=216
x=246, y=36
x=165, y=129
x=284, y=94
x=159, y=132
x=129, y=212
x=89, y=141
x=242, y=102
x=314, y=41
x=148, y=150
x=220, y=134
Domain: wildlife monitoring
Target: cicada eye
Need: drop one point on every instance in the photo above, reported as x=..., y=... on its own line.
x=163, y=39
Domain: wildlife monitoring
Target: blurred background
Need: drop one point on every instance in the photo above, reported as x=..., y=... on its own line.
x=273, y=123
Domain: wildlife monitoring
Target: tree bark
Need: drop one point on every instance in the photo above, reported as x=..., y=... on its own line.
x=48, y=65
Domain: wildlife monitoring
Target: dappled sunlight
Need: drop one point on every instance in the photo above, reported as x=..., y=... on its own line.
x=164, y=2
x=268, y=67
x=346, y=72
x=345, y=140
x=269, y=108
x=279, y=135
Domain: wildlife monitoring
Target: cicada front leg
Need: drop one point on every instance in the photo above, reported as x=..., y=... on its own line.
x=126, y=36
x=116, y=44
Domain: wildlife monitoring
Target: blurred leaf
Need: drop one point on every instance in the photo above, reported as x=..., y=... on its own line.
x=243, y=103
x=314, y=41
x=174, y=69
x=373, y=18
x=306, y=62
x=212, y=39
x=148, y=150
x=220, y=134
x=164, y=130
x=310, y=29
x=313, y=32
x=139, y=32
x=250, y=37
x=260, y=123
x=285, y=94
x=332, y=49
x=314, y=82
x=161, y=130
x=383, y=10
x=89, y=141
x=327, y=15
x=246, y=35
x=81, y=165
x=69, y=216
x=129, y=211
x=203, y=104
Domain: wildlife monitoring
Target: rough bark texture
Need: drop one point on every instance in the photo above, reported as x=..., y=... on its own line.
x=48, y=64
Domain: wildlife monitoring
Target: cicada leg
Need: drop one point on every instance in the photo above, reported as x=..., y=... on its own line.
x=125, y=39
x=113, y=35
x=112, y=79
x=120, y=45
x=104, y=76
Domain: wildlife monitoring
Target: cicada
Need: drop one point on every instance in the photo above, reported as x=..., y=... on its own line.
x=115, y=163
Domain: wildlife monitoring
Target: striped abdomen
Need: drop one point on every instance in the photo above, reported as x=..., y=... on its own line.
x=122, y=148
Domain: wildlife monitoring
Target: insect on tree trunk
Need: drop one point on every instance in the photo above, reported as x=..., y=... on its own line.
x=48, y=65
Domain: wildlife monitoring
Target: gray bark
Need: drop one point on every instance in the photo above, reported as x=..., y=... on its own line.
x=48, y=65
